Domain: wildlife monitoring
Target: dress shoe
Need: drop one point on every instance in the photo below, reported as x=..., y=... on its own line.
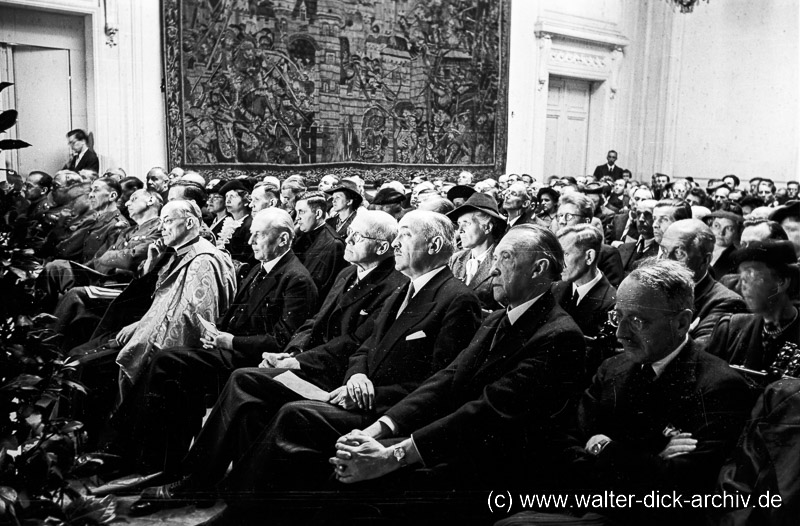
x=175, y=495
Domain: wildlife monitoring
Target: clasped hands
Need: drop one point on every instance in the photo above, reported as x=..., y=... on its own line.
x=219, y=340
x=679, y=444
x=360, y=457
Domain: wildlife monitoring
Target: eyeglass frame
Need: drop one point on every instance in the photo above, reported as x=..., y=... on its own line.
x=357, y=237
x=569, y=216
x=636, y=323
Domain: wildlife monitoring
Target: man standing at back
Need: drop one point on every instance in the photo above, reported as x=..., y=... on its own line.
x=83, y=157
x=316, y=246
x=610, y=168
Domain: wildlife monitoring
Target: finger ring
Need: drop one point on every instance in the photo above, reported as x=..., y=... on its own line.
x=341, y=467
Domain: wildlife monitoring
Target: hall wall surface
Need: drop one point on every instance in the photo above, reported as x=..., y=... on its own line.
x=124, y=102
x=701, y=94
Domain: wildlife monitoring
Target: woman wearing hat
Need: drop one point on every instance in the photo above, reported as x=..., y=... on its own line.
x=215, y=206
x=768, y=272
x=345, y=201
x=480, y=226
x=234, y=235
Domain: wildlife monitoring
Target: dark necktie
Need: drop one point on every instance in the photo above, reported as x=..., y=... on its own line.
x=409, y=295
x=640, y=246
x=502, y=328
x=353, y=284
x=572, y=304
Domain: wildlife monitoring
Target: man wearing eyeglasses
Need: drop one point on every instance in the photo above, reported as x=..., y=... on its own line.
x=574, y=209
x=663, y=415
x=419, y=330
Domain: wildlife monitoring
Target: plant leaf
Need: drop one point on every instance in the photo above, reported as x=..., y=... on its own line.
x=76, y=386
x=4, y=85
x=69, y=427
x=7, y=119
x=13, y=144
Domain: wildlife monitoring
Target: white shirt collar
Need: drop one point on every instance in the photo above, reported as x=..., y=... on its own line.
x=424, y=279
x=517, y=312
x=269, y=265
x=660, y=365
x=479, y=258
x=361, y=274
x=584, y=289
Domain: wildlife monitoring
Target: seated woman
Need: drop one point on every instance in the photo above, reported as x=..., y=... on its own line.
x=480, y=226
x=727, y=228
x=768, y=273
x=234, y=235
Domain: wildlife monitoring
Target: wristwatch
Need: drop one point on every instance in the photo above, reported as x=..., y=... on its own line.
x=400, y=456
x=598, y=447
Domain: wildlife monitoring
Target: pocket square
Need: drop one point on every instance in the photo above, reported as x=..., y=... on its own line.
x=416, y=336
x=363, y=313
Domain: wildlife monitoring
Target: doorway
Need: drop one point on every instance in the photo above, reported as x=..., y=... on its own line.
x=567, y=132
x=43, y=54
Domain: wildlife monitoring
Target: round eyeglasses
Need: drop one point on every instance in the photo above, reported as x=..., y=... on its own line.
x=354, y=237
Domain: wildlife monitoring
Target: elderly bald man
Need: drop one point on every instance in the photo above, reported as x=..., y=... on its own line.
x=691, y=242
x=274, y=299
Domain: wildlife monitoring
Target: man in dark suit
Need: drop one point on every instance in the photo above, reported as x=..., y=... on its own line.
x=584, y=292
x=518, y=205
x=419, y=331
x=691, y=242
x=317, y=246
x=610, y=168
x=489, y=416
x=83, y=157
x=574, y=209
x=644, y=247
x=622, y=228
x=319, y=350
x=164, y=413
x=663, y=415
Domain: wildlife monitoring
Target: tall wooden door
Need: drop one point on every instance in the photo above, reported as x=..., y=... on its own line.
x=567, y=130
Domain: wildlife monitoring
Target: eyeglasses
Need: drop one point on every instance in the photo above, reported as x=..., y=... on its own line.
x=216, y=197
x=636, y=323
x=170, y=220
x=568, y=217
x=354, y=237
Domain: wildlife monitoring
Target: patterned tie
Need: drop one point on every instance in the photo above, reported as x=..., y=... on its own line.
x=353, y=284
x=409, y=295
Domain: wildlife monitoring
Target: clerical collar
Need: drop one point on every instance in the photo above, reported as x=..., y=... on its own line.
x=183, y=249
x=660, y=365
x=269, y=265
x=517, y=312
x=424, y=279
x=584, y=289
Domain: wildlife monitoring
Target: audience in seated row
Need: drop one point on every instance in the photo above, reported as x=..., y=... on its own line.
x=573, y=337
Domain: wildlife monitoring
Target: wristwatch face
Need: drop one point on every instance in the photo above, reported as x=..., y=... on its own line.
x=399, y=454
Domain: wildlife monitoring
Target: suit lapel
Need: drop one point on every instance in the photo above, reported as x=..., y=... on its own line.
x=484, y=270
x=417, y=311
x=517, y=334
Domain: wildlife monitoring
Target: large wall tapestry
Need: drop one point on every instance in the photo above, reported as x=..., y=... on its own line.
x=270, y=85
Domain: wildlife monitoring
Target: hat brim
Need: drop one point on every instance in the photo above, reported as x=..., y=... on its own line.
x=463, y=209
x=355, y=196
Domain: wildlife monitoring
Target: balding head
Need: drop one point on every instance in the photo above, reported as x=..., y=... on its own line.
x=271, y=234
x=690, y=242
x=424, y=242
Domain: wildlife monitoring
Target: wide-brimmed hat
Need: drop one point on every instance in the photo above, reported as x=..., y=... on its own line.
x=779, y=255
x=554, y=194
x=477, y=202
x=235, y=184
x=460, y=191
x=214, y=186
x=350, y=189
x=789, y=209
x=388, y=196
